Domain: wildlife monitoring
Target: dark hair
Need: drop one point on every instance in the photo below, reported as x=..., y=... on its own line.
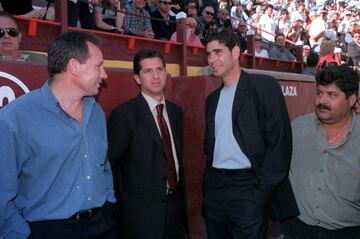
x=9, y=16
x=71, y=44
x=279, y=35
x=312, y=59
x=192, y=1
x=145, y=54
x=284, y=11
x=269, y=6
x=224, y=36
x=342, y=76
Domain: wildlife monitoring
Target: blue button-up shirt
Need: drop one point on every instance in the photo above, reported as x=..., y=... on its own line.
x=50, y=166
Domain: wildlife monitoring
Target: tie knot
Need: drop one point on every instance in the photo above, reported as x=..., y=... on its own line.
x=159, y=109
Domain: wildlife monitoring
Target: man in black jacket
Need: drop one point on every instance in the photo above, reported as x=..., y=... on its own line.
x=146, y=160
x=248, y=148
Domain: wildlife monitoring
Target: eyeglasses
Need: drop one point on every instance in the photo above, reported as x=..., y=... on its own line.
x=165, y=2
x=209, y=13
x=10, y=31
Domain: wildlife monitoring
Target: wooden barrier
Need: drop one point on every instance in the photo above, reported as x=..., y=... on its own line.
x=17, y=78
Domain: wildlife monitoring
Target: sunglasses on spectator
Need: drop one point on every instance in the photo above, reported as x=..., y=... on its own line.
x=165, y=2
x=10, y=31
x=209, y=13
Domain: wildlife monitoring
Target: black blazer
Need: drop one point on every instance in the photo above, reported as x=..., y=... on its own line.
x=262, y=129
x=140, y=168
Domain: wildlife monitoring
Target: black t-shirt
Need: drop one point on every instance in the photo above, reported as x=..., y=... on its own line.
x=16, y=7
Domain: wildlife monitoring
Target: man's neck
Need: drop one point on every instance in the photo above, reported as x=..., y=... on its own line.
x=164, y=14
x=11, y=55
x=336, y=128
x=69, y=100
x=233, y=76
x=138, y=10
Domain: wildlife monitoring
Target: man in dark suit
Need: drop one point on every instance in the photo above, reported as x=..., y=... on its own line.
x=145, y=148
x=248, y=148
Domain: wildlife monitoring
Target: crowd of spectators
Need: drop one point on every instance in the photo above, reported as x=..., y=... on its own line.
x=329, y=28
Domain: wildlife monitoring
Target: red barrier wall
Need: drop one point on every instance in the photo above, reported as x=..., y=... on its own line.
x=189, y=92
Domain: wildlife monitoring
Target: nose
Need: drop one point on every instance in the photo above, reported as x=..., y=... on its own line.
x=210, y=58
x=322, y=98
x=103, y=74
x=156, y=74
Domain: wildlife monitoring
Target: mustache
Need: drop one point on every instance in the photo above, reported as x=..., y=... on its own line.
x=323, y=107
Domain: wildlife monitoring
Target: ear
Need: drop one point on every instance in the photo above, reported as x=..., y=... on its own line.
x=236, y=51
x=73, y=66
x=20, y=36
x=137, y=79
x=352, y=100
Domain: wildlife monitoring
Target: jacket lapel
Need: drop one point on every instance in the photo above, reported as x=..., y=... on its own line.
x=148, y=119
x=175, y=128
x=241, y=94
x=212, y=111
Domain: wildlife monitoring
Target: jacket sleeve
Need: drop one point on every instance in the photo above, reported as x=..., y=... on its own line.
x=118, y=140
x=276, y=124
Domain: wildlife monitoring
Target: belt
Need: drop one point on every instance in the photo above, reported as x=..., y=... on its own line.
x=234, y=172
x=86, y=214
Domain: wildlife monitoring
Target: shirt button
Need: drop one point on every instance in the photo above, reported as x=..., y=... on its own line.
x=85, y=156
x=319, y=189
x=88, y=177
x=77, y=187
x=321, y=170
x=89, y=198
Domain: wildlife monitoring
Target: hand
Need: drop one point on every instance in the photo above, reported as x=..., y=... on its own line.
x=117, y=5
x=149, y=34
x=33, y=14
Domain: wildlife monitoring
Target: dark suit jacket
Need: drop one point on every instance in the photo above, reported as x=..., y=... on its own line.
x=262, y=129
x=140, y=168
x=160, y=28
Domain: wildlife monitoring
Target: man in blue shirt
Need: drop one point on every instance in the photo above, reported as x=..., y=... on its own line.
x=55, y=179
x=279, y=51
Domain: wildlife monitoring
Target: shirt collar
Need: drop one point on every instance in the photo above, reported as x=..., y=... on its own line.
x=52, y=102
x=22, y=57
x=152, y=102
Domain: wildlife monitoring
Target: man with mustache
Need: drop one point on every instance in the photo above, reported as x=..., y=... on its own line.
x=325, y=165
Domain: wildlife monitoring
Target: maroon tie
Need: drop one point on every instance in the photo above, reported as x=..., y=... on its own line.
x=172, y=179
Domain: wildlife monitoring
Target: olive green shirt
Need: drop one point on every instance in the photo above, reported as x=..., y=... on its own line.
x=326, y=178
x=29, y=57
